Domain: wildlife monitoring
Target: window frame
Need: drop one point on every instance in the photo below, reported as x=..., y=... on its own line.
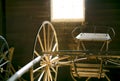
x=66, y=20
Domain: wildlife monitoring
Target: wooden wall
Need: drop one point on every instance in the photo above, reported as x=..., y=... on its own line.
x=0, y=17
x=24, y=17
x=23, y=20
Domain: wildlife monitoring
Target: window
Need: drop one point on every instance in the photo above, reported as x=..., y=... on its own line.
x=67, y=10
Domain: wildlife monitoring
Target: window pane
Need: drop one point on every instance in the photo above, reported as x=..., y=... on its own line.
x=67, y=10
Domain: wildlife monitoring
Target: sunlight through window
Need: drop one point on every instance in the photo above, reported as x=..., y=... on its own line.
x=67, y=10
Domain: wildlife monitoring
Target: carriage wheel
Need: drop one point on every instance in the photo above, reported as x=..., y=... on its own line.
x=46, y=41
x=4, y=59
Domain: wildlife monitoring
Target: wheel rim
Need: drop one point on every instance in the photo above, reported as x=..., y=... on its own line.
x=46, y=41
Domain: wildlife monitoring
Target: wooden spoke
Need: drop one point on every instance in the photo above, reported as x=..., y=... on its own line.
x=47, y=58
x=51, y=43
x=54, y=70
x=50, y=76
x=39, y=79
x=48, y=38
x=44, y=33
x=40, y=42
x=60, y=58
x=46, y=41
x=35, y=52
x=54, y=47
x=54, y=59
x=45, y=76
x=39, y=68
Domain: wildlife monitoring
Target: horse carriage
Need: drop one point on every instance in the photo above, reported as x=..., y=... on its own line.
x=47, y=58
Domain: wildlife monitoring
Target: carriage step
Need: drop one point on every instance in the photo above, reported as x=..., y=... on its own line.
x=89, y=74
x=87, y=65
x=89, y=70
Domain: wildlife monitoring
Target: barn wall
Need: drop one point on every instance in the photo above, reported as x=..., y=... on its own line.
x=24, y=17
x=0, y=17
x=23, y=20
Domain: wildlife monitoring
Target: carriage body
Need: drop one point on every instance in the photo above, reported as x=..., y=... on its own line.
x=47, y=57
